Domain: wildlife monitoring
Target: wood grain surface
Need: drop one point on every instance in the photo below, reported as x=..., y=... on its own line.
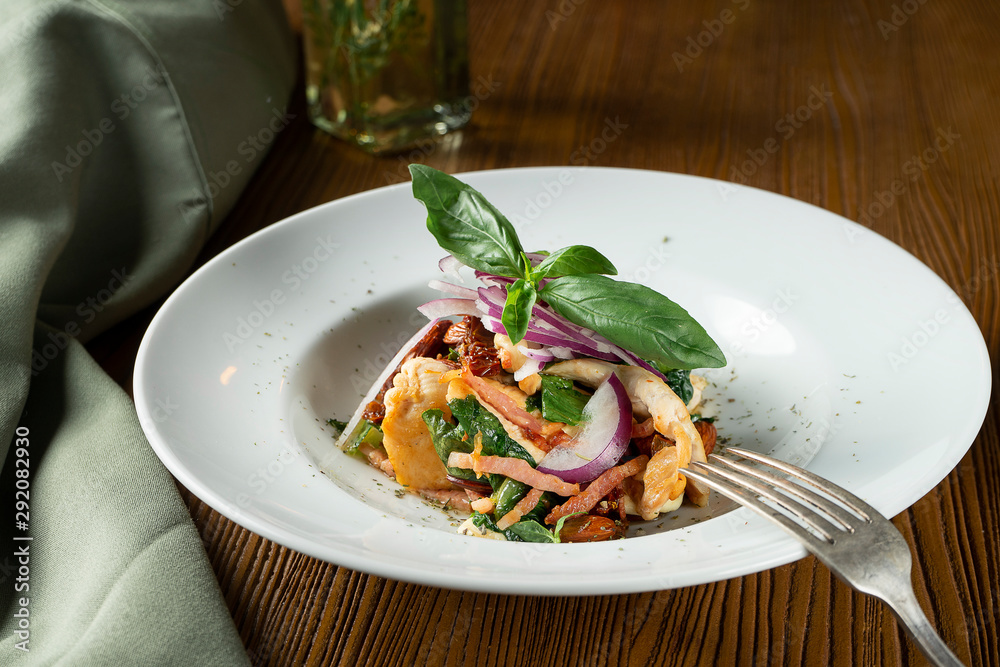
x=903, y=135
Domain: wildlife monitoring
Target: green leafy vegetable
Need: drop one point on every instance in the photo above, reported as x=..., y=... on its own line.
x=447, y=438
x=508, y=495
x=631, y=316
x=680, y=382
x=338, y=426
x=698, y=418
x=560, y=400
x=532, y=531
x=545, y=504
x=572, y=261
x=635, y=317
x=484, y=522
x=474, y=418
x=517, y=310
x=466, y=225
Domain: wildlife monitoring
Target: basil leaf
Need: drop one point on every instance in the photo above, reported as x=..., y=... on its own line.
x=516, y=314
x=574, y=260
x=466, y=225
x=635, y=317
x=474, y=418
x=561, y=401
x=447, y=438
x=532, y=531
x=679, y=382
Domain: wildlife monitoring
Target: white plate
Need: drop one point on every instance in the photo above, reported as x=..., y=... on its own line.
x=845, y=353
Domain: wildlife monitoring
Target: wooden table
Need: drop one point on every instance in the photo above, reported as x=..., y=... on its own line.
x=903, y=135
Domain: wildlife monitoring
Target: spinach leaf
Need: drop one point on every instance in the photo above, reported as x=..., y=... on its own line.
x=447, y=438
x=574, y=260
x=680, y=382
x=561, y=401
x=466, y=225
x=484, y=522
x=474, y=418
x=516, y=314
x=635, y=317
x=544, y=506
x=508, y=495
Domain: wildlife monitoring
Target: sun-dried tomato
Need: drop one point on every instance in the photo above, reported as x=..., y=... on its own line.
x=652, y=444
x=374, y=412
x=613, y=505
x=475, y=346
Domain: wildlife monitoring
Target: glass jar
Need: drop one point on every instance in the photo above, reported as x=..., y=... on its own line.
x=385, y=74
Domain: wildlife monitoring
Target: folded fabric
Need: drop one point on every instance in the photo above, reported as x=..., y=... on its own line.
x=129, y=130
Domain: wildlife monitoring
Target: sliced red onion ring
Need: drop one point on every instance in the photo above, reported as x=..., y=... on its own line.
x=575, y=346
x=529, y=367
x=450, y=265
x=630, y=358
x=491, y=280
x=449, y=288
x=439, y=308
x=541, y=354
x=603, y=440
x=560, y=337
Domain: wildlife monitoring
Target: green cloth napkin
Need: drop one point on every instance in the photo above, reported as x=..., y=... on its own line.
x=127, y=131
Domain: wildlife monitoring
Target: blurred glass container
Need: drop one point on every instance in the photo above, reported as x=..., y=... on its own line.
x=386, y=74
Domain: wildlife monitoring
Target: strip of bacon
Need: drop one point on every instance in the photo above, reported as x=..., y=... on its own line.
x=504, y=404
x=518, y=469
x=523, y=506
x=599, y=488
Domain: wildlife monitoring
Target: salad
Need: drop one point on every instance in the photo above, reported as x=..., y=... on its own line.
x=550, y=401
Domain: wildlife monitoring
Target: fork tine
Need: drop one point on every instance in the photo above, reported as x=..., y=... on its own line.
x=745, y=492
x=841, y=494
x=846, y=519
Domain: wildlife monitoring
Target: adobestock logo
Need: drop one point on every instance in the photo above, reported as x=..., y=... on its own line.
x=122, y=107
x=263, y=308
x=912, y=170
x=714, y=28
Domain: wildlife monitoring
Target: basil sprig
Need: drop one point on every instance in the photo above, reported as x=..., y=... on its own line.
x=571, y=280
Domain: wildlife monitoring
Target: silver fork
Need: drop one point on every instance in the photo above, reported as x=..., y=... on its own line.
x=849, y=536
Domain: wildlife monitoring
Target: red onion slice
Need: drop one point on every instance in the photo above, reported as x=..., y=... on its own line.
x=450, y=265
x=434, y=310
x=529, y=367
x=449, y=288
x=602, y=441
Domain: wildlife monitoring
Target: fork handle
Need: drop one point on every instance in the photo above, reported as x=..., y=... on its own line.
x=906, y=608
